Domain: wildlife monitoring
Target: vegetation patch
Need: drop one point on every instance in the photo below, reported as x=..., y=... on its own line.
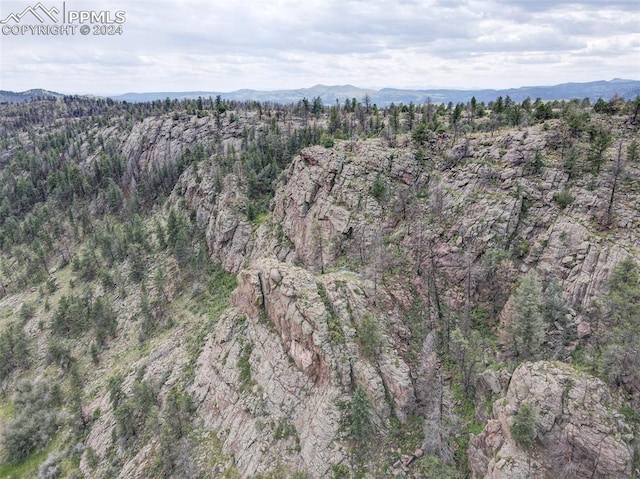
x=564, y=198
x=369, y=336
x=244, y=366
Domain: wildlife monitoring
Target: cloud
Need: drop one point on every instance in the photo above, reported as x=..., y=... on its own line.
x=267, y=44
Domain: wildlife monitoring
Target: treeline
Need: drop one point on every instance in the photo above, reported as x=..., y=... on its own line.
x=62, y=161
x=63, y=168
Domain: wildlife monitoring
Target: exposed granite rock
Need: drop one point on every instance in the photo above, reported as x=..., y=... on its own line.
x=297, y=330
x=488, y=386
x=325, y=210
x=221, y=213
x=247, y=410
x=298, y=369
x=579, y=430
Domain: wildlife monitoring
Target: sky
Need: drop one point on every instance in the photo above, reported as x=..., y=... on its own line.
x=200, y=45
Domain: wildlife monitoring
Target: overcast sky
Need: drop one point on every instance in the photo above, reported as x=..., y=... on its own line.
x=189, y=45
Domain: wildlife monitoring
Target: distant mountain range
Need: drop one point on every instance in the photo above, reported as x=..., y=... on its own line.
x=29, y=95
x=329, y=94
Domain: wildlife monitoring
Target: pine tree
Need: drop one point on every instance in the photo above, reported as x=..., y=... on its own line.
x=524, y=429
x=369, y=336
x=528, y=327
x=173, y=226
x=600, y=142
x=361, y=420
x=621, y=354
x=14, y=350
x=554, y=306
x=554, y=309
x=181, y=247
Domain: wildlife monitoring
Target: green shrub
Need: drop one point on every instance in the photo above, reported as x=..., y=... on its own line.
x=433, y=466
x=92, y=458
x=27, y=311
x=50, y=468
x=284, y=429
x=59, y=354
x=369, y=335
x=336, y=334
x=52, y=285
x=524, y=429
x=340, y=471
x=35, y=421
x=564, y=198
x=246, y=382
x=378, y=188
x=326, y=140
x=536, y=164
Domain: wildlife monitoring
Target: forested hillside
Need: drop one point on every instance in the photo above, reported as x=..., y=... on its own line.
x=206, y=288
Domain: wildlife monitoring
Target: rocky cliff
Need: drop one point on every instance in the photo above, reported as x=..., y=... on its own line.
x=429, y=223
x=359, y=320
x=577, y=429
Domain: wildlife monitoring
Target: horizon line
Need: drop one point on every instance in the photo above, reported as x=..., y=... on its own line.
x=319, y=85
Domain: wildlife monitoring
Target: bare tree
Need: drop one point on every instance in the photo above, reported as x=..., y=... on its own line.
x=618, y=171
x=367, y=102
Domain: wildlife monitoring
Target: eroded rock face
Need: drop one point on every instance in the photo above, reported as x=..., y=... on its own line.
x=289, y=351
x=247, y=387
x=487, y=198
x=580, y=433
x=325, y=211
x=327, y=197
x=158, y=140
x=288, y=354
x=221, y=213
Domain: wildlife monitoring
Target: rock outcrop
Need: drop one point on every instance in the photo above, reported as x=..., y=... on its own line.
x=326, y=211
x=424, y=217
x=381, y=265
x=220, y=212
x=579, y=430
x=289, y=354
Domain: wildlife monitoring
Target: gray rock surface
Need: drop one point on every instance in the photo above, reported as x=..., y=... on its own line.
x=298, y=372
x=580, y=432
x=289, y=351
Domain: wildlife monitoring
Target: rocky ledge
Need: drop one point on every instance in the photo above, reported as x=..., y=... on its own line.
x=578, y=430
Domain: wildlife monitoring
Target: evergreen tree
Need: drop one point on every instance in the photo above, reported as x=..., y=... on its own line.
x=601, y=140
x=181, y=247
x=173, y=226
x=361, y=420
x=633, y=152
x=527, y=325
x=554, y=309
x=14, y=350
x=524, y=428
x=137, y=266
x=621, y=355
x=369, y=336
x=554, y=306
